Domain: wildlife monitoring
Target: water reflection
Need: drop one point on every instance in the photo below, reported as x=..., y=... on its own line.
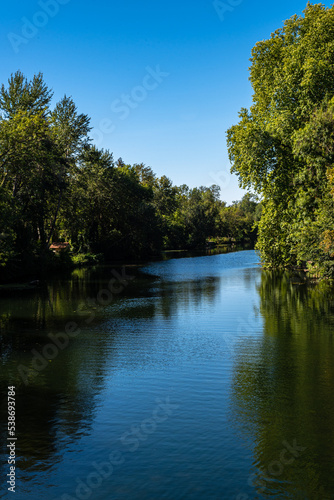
x=58, y=405
x=246, y=355
x=169, y=299
x=283, y=390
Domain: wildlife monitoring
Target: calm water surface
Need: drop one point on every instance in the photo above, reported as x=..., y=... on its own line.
x=193, y=378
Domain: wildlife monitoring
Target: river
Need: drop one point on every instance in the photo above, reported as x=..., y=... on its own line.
x=188, y=378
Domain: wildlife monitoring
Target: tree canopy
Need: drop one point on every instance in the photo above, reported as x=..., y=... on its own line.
x=56, y=186
x=282, y=146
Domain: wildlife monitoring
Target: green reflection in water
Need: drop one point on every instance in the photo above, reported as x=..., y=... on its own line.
x=58, y=405
x=283, y=390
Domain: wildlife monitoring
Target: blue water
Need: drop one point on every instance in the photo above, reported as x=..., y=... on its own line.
x=183, y=385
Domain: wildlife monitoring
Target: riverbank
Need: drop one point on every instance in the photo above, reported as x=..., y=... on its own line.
x=32, y=276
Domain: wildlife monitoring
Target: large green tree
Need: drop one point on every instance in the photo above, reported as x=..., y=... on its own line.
x=39, y=148
x=27, y=159
x=282, y=147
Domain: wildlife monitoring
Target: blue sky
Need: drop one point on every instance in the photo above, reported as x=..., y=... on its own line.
x=161, y=81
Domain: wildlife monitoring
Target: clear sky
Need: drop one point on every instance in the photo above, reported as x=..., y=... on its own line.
x=161, y=81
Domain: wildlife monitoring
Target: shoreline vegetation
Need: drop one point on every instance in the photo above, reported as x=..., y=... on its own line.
x=32, y=279
x=66, y=203
x=283, y=146
x=59, y=190
x=297, y=275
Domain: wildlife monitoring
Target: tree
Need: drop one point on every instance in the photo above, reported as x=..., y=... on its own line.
x=23, y=95
x=39, y=150
x=27, y=177
x=70, y=135
x=278, y=145
x=197, y=215
x=238, y=221
x=86, y=214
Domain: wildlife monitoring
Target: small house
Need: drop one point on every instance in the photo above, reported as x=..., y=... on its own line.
x=60, y=247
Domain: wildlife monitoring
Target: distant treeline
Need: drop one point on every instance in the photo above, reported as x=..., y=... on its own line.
x=55, y=186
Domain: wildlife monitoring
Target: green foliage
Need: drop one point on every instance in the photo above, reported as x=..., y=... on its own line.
x=21, y=95
x=283, y=146
x=55, y=186
x=85, y=259
x=238, y=222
